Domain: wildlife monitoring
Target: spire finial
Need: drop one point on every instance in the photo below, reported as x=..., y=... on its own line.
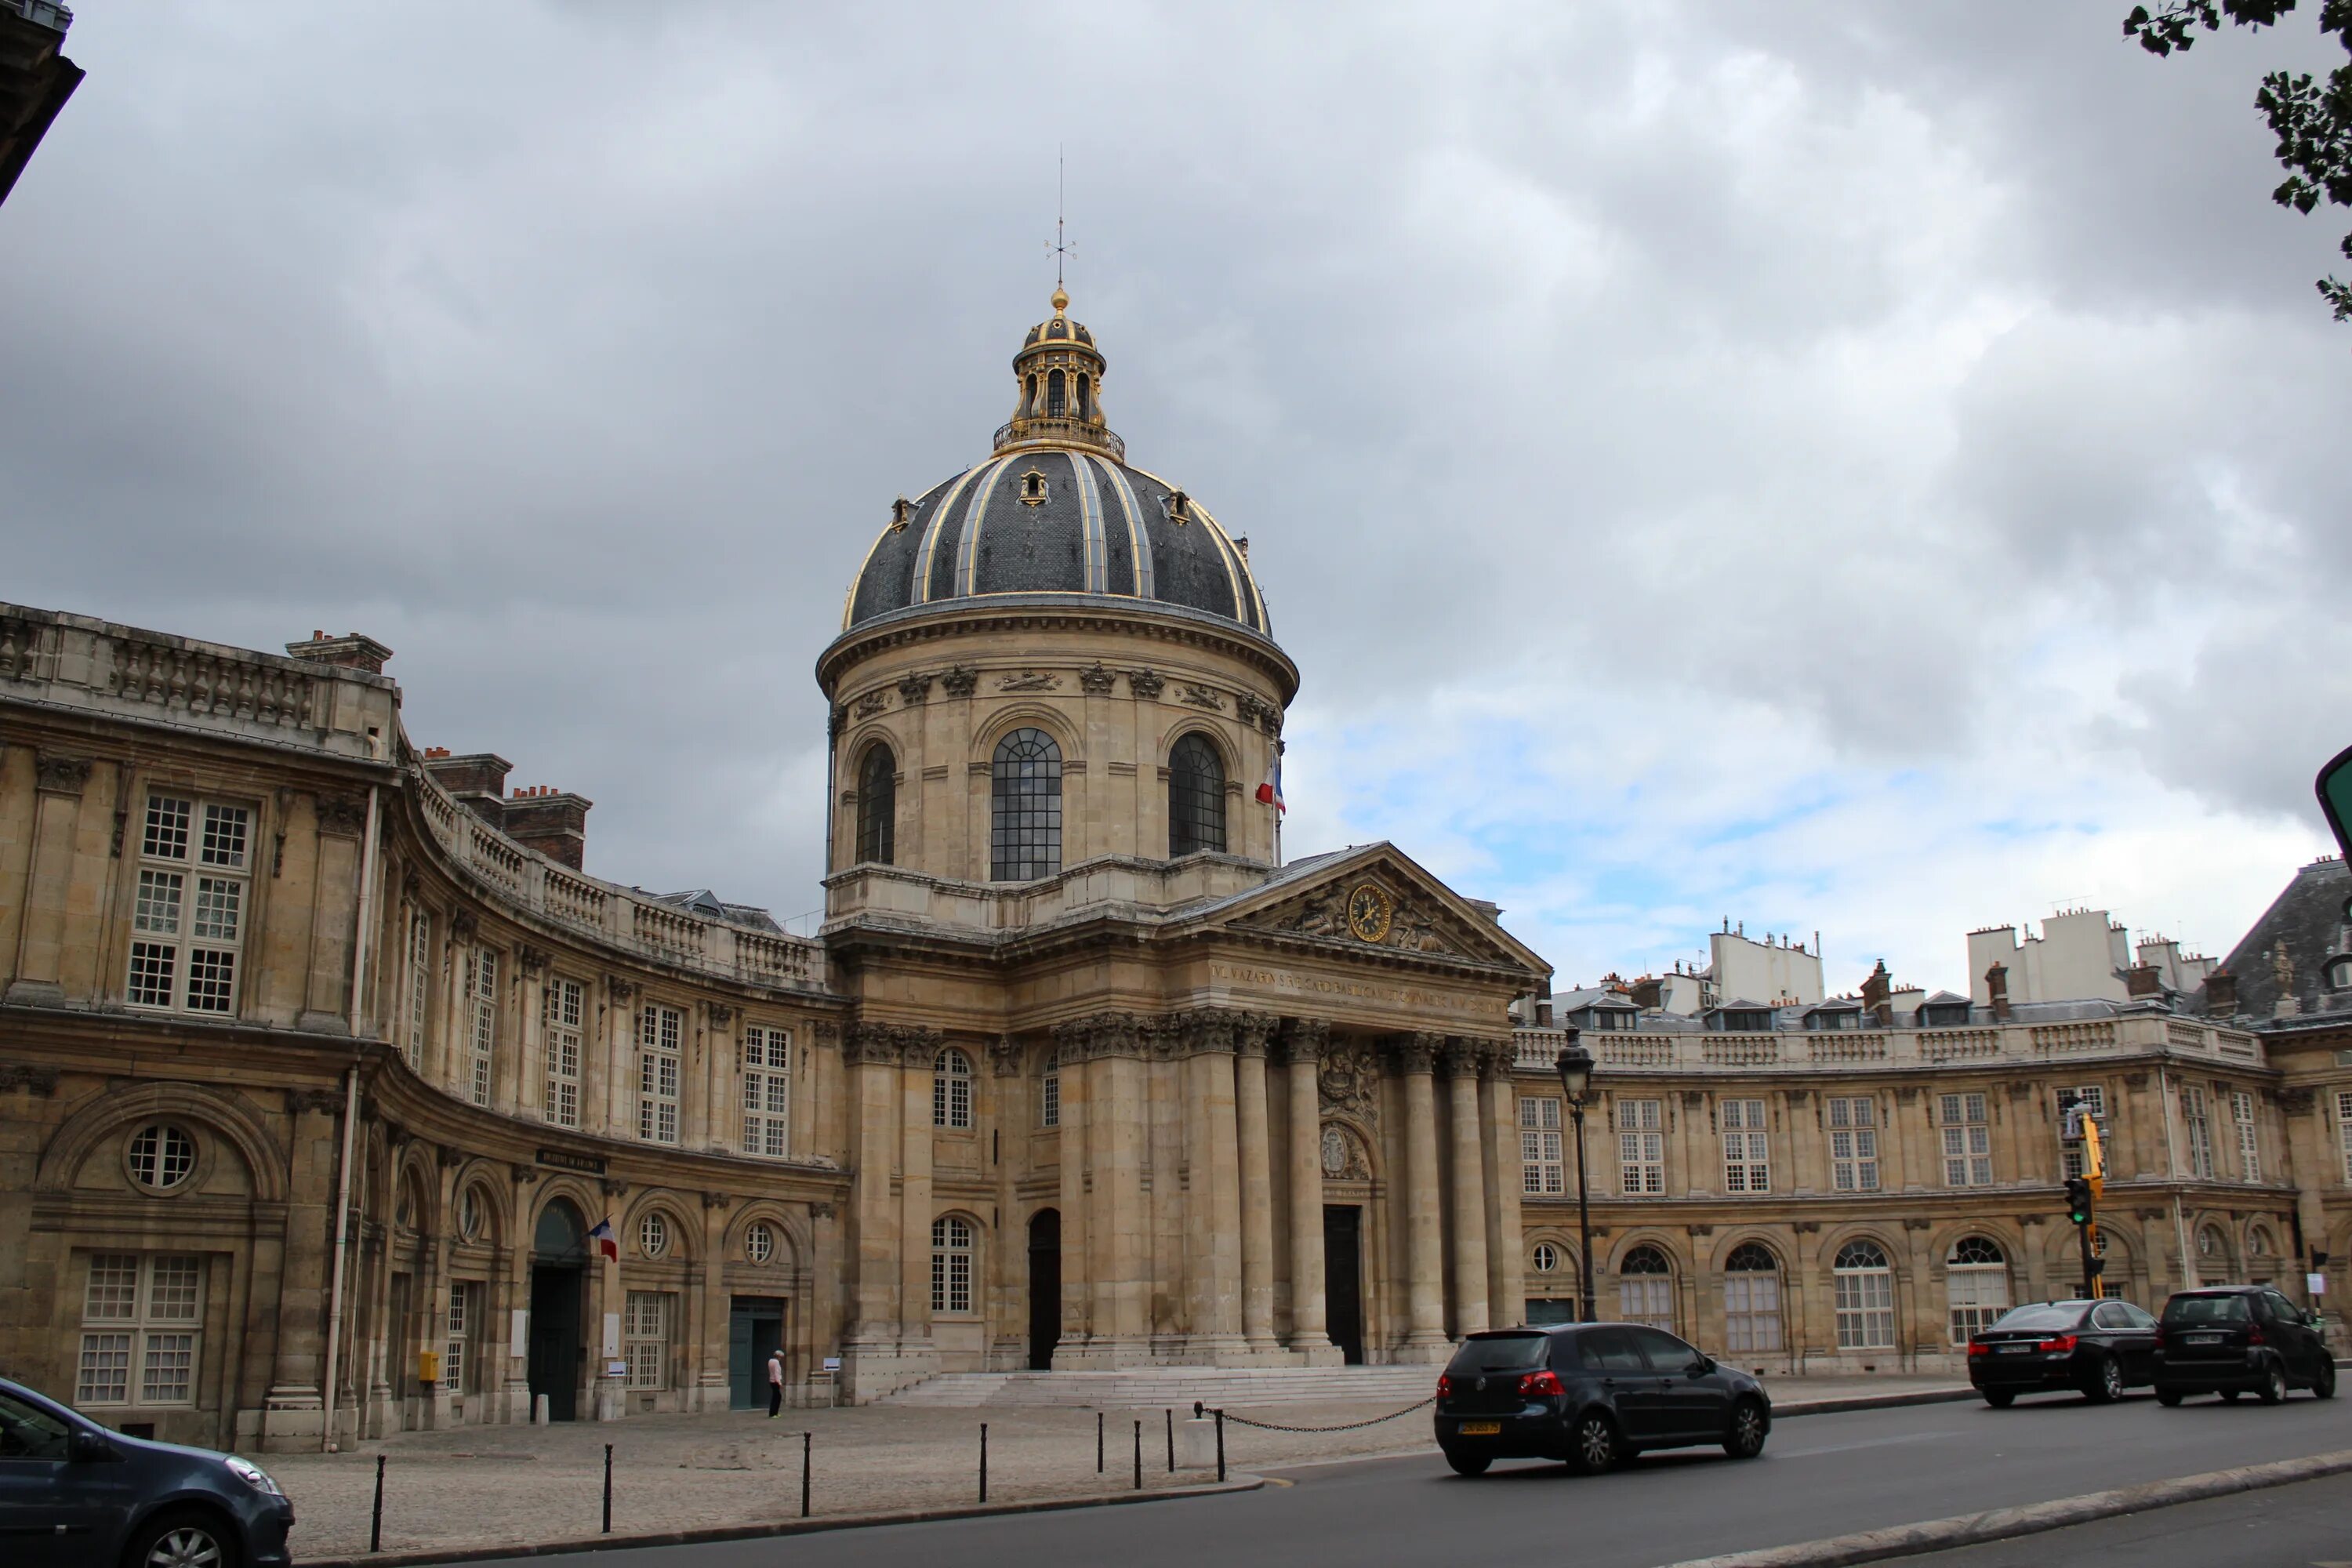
x=1061, y=248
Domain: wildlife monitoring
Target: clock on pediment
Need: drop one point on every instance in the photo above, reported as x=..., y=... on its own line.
x=1370, y=913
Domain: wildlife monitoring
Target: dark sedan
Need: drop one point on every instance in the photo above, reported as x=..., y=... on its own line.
x=75, y=1495
x=1591, y=1394
x=2240, y=1339
x=2096, y=1349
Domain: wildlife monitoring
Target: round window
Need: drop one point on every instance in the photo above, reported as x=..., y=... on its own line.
x=653, y=1236
x=760, y=1242
x=469, y=1213
x=1546, y=1257
x=160, y=1157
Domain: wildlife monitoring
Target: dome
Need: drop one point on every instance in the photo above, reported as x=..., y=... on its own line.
x=1056, y=510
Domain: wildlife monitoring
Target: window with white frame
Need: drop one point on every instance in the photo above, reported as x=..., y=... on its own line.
x=1864, y=1298
x=2344, y=1129
x=420, y=980
x=1746, y=1158
x=644, y=1338
x=465, y=1322
x=2250, y=1152
x=160, y=1157
x=1545, y=1259
x=187, y=918
x=1853, y=1143
x=1542, y=1172
x=1645, y=1289
x=567, y=1005
x=2092, y=1099
x=951, y=1089
x=2197, y=1117
x=481, y=1020
x=1976, y=1285
x=951, y=1264
x=1049, y=1090
x=1967, y=1140
x=1752, y=1299
x=1641, y=1146
x=659, y=1030
x=140, y=1319
x=767, y=1091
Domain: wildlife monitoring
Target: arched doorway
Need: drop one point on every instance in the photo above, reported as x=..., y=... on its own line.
x=559, y=1263
x=1045, y=1287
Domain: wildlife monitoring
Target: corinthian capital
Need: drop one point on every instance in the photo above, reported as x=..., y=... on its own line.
x=1417, y=1052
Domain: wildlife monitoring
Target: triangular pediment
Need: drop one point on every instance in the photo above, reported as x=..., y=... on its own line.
x=1372, y=896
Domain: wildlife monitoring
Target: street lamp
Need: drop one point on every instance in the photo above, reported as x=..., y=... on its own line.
x=1575, y=1065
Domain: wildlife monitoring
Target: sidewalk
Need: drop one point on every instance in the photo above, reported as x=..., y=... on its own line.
x=521, y=1486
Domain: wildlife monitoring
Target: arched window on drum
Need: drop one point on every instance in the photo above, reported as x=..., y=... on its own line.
x=1196, y=798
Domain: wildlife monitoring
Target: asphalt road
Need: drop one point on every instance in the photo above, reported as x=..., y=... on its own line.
x=2305, y=1526
x=1822, y=1474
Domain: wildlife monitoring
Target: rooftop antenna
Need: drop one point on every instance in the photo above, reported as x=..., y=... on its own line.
x=1060, y=247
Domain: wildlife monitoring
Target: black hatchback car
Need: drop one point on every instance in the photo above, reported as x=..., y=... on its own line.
x=2096, y=1347
x=1591, y=1394
x=75, y=1495
x=2240, y=1339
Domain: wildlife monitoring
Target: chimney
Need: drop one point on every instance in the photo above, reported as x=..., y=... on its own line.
x=2143, y=980
x=2220, y=994
x=552, y=821
x=478, y=780
x=350, y=651
x=1648, y=991
x=1997, y=982
x=1875, y=986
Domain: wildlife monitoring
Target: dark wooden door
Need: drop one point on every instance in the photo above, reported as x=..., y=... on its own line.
x=1343, y=1280
x=1045, y=1287
x=555, y=1339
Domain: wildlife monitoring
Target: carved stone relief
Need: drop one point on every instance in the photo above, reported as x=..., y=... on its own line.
x=1029, y=680
x=959, y=680
x=1200, y=696
x=1146, y=683
x=1349, y=1080
x=1094, y=680
x=915, y=688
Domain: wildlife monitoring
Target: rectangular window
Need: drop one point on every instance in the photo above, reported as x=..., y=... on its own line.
x=658, y=1032
x=1967, y=1140
x=140, y=1318
x=767, y=1093
x=645, y=1338
x=2197, y=1117
x=2344, y=1131
x=1865, y=1309
x=1540, y=1147
x=1049, y=1092
x=465, y=1315
x=1641, y=1146
x=482, y=1027
x=420, y=980
x=187, y=917
x=1746, y=1161
x=2250, y=1153
x=1853, y=1144
x=2093, y=1099
x=566, y=1005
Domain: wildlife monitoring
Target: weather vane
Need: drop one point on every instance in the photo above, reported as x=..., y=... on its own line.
x=1060, y=247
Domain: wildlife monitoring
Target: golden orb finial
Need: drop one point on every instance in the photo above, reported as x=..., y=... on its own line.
x=1061, y=300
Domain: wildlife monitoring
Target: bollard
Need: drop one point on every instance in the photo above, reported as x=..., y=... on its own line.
x=1098, y=1442
x=984, y=1461
x=375, y=1524
x=1139, y=1452
x=805, y=1475
x=1221, y=1445
x=608, y=1488
x=1172, y=1441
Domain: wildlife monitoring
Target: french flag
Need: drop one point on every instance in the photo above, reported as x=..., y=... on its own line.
x=603, y=1239
x=1270, y=791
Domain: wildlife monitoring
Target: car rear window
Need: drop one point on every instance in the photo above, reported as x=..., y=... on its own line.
x=1500, y=1352
x=2206, y=1310
x=2042, y=1315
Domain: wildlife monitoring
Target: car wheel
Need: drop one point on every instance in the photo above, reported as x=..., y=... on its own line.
x=1468, y=1464
x=2324, y=1385
x=1594, y=1445
x=2106, y=1382
x=1745, y=1439
x=2167, y=1397
x=184, y=1538
x=2273, y=1386
x=2000, y=1398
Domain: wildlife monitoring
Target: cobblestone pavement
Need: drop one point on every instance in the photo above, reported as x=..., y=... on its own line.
x=498, y=1486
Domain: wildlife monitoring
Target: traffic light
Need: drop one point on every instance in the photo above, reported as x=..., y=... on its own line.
x=2078, y=1199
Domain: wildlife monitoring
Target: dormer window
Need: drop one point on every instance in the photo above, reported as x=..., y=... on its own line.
x=900, y=510
x=1033, y=489
x=1745, y=1020
x=1611, y=1018
x=1180, y=508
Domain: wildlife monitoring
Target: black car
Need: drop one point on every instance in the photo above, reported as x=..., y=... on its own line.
x=1591, y=1393
x=2096, y=1347
x=75, y=1495
x=2237, y=1339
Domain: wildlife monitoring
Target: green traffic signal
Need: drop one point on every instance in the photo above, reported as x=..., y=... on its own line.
x=2078, y=1200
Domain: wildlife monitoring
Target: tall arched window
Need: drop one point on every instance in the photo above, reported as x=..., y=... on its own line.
x=1057, y=394
x=877, y=806
x=1645, y=1289
x=1865, y=1297
x=951, y=1264
x=951, y=1089
x=1976, y=1286
x=1025, y=815
x=1752, y=1299
x=1196, y=798
x=1086, y=397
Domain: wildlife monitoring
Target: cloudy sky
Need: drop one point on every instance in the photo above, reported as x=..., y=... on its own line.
x=1867, y=468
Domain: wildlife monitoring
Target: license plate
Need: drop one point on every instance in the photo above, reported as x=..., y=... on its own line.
x=2201, y=1339
x=2015, y=1350
x=1480, y=1428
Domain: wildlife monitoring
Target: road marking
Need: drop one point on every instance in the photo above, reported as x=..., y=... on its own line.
x=1872, y=1443
x=1279, y=1482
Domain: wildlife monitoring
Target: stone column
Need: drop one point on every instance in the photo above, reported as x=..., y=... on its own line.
x=1012, y=1112
x=1303, y=1044
x=1505, y=1237
x=1251, y=1033
x=1424, y=1341
x=1469, y=1217
x=40, y=939
x=294, y=1414
x=920, y=1054
x=1071, y=1041
x=711, y=1382
x=871, y=1056
x=1213, y=1212
x=1116, y=1237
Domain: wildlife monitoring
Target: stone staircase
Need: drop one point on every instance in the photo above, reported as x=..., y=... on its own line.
x=1174, y=1387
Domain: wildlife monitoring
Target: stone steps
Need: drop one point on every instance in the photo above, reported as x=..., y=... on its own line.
x=1155, y=1387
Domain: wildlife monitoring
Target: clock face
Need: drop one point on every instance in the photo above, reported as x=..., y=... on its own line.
x=1369, y=912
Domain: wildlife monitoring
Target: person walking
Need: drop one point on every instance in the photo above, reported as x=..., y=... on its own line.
x=775, y=1381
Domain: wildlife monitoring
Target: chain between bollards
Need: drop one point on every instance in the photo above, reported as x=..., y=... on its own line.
x=375, y=1524
x=608, y=1488
x=984, y=1461
x=1139, y=1452
x=804, y=1474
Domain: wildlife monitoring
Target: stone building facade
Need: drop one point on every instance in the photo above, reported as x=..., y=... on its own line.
x=337, y=1098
